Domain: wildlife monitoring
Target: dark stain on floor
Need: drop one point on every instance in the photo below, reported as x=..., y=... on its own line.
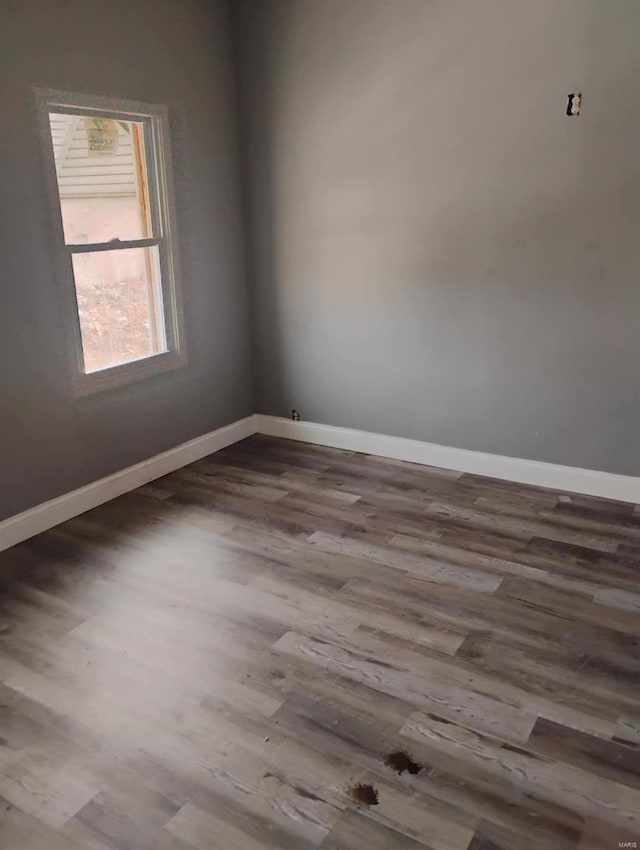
x=365, y=794
x=400, y=761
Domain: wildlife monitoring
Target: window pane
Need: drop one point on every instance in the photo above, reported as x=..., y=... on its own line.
x=102, y=181
x=120, y=305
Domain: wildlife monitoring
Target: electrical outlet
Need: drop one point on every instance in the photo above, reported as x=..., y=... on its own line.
x=574, y=102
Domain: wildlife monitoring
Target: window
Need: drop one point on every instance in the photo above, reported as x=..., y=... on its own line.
x=110, y=180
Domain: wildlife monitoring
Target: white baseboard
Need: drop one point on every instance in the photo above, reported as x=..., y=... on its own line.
x=589, y=482
x=28, y=523
x=571, y=479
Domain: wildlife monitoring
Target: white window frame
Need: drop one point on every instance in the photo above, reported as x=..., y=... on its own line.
x=157, y=146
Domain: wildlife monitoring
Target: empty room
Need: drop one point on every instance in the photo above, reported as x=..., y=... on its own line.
x=319, y=438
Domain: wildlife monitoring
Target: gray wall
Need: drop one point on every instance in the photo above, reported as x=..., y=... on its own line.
x=168, y=51
x=438, y=251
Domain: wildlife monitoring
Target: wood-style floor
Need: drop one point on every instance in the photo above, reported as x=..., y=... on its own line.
x=227, y=658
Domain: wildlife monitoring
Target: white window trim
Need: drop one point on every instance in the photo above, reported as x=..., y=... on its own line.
x=85, y=383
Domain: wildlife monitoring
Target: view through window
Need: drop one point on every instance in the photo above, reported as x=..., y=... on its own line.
x=107, y=177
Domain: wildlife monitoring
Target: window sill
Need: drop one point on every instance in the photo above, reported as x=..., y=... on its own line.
x=89, y=383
